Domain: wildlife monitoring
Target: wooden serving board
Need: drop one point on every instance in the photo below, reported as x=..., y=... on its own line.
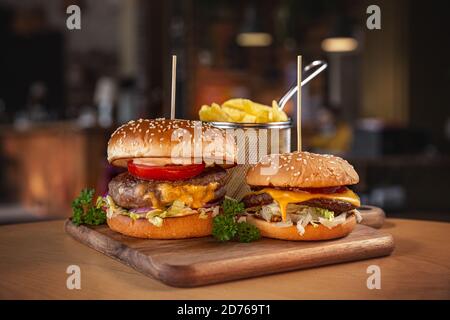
x=372, y=216
x=201, y=261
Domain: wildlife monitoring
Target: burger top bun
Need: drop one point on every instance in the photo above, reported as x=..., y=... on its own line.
x=302, y=170
x=156, y=140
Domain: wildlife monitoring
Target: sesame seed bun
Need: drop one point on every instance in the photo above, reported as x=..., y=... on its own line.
x=302, y=170
x=172, y=228
x=154, y=140
x=320, y=232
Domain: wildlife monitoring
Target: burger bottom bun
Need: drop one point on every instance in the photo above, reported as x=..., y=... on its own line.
x=269, y=230
x=172, y=228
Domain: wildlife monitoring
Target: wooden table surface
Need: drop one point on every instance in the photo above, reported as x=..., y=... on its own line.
x=34, y=258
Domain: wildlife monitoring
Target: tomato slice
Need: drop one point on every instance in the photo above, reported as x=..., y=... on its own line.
x=168, y=172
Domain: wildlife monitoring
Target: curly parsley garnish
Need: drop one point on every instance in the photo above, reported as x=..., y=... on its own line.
x=226, y=227
x=84, y=212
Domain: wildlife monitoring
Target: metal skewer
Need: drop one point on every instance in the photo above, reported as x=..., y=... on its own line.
x=299, y=103
x=319, y=64
x=174, y=87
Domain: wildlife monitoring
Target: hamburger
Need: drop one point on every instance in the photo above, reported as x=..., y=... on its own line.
x=174, y=180
x=308, y=198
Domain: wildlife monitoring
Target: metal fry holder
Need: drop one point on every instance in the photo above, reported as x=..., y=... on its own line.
x=254, y=140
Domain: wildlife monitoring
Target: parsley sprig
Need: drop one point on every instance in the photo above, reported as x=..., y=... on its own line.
x=226, y=227
x=84, y=212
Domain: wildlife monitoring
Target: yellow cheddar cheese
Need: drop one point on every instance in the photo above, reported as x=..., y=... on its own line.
x=285, y=197
x=193, y=196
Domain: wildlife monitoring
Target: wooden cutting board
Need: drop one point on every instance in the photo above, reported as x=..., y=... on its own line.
x=201, y=261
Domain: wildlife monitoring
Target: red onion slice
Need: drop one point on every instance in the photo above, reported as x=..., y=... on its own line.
x=141, y=210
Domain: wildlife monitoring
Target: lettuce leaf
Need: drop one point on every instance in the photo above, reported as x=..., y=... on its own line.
x=156, y=216
x=301, y=216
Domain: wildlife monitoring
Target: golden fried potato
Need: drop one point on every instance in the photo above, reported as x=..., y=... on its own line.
x=236, y=115
x=213, y=113
x=278, y=115
x=220, y=114
x=205, y=113
x=248, y=118
x=242, y=111
x=235, y=103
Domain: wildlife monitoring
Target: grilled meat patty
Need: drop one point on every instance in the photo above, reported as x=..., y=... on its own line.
x=128, y=191
x=337, y=206
x=255, y=200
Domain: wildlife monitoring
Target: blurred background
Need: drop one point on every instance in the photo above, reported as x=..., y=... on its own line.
x=383, y=103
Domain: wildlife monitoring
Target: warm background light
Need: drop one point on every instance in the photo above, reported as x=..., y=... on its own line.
x=254, y=39
x=343, y=44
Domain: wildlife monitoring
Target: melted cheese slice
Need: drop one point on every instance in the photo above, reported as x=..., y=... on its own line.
x=193, y=196
x=285, y=197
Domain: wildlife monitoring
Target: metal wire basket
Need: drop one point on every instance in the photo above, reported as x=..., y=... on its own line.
x=254, y=140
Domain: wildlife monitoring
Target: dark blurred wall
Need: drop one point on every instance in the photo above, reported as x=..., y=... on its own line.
x=36, y=46
x=430, y=69
x=31, y=61
x=26, y=60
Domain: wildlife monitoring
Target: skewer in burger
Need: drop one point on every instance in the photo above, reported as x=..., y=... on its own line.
x=175, y=178
x=306, y=199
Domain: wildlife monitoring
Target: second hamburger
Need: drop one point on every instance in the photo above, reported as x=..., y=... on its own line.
x=307, y=198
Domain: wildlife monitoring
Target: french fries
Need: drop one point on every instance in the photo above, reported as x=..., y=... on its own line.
x=242, y=111
x=213, y=113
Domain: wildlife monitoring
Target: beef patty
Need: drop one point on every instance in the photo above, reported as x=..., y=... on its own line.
x=337, y=206
x=128, y=191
